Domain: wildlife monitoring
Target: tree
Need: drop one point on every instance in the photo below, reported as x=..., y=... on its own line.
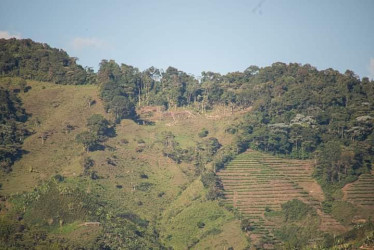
x=121, y=107
x=98, y=125
x=88, y=139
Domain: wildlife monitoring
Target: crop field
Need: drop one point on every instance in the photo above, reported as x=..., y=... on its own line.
x=361, y=192
x=255, y=182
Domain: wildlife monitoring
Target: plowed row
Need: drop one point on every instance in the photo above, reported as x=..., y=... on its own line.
x=361, y=192
x=255, y=181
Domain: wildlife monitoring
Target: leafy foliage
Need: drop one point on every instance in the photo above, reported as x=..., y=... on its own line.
x=88, y=139
x=34, y=216
x=298, y=111
x=296, y=210
x=300, y=224
x=99, y=126
x=118, y=88
x=213, y=185
x=12, y=132
x=38, y=61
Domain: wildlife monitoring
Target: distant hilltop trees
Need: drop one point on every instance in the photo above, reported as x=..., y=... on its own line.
x=38, y=61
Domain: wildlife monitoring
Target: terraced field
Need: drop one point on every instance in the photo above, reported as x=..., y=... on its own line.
x=255, y=181
x=361, y=192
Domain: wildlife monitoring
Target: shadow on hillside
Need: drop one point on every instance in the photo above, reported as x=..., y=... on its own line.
x=97, y=147
x=111, y=132
x=144, y=122
x=10, y=158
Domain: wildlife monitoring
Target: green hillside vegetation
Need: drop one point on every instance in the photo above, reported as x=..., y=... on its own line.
x=38, y=61
x=12, y=119
x=273, y=157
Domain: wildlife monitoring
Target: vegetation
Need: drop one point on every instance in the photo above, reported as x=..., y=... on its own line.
x=13, y=131
x=294, y=112
x=38, y=61
x=58, y=206
x=272, y=157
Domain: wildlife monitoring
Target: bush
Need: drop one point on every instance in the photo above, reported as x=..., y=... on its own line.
x=343, y=211
x=246, y=225
x=87, y=164
x=140, y=148
x=94, y=175
x=208, y=179
x=124, y=141
x=295, y=210
x=200, y=224
x=203, y=133
x=231, y=130
x=213, y=194
x=58, y=178
x=144, y=186
x=143, y=176
x=140, y=141
x=213, y=184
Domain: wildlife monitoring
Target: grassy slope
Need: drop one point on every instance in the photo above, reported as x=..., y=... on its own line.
x=52, y=106
x=180, y=223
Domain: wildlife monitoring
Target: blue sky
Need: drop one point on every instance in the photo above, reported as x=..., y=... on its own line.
x=196, y=35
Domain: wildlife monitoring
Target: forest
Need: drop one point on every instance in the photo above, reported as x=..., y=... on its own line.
x=296, y=112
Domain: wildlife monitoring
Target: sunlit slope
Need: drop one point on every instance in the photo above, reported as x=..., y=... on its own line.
x=51, y=109
x=192, y=221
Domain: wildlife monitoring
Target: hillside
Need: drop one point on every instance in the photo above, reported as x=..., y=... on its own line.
x=127, y=180
x=269, y=158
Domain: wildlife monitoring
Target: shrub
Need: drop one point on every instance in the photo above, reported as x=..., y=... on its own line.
x=144, y=186
x=231, y=130
x=200, y=224
x=203, y=133
x=343, y=211
x=296, y=210
x=141, y=141
x=246, y=225
x=140, y=148
x=143, y=176
x=124, y=141
x=87, y=164
x=58, y=178
x=94, y=175
x=208, y=179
